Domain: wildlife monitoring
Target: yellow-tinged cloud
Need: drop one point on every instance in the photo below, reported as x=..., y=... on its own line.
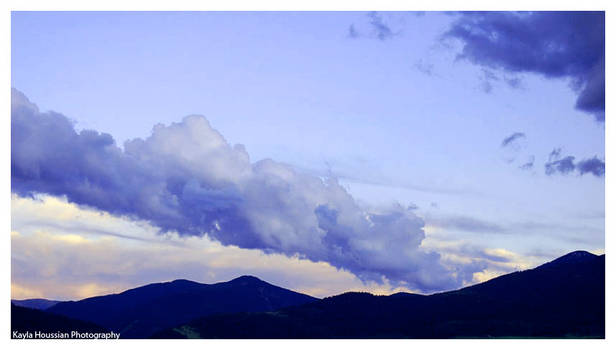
x=87, y=253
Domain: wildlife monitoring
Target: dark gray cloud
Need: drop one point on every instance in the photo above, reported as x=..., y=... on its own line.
x=511, y=138
x=553, y=44
x=185, y=177
x=565, y=165
x=593, y=165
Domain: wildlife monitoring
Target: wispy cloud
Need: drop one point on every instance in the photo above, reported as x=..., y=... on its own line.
x=424, y=67
x=511, y=147
x=529, y=164
x=487, y=79
x=376, y=28
x=353, y=34
x=477, y=225
x=381, y=30
x=511, y=138
x=465, y=223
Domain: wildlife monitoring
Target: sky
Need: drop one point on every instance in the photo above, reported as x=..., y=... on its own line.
x=319, y=151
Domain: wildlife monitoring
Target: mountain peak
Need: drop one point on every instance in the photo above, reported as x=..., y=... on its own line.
x=577, y=255
x=246, y=279
x=141, y=311
x=572, y=258
x=183, y=281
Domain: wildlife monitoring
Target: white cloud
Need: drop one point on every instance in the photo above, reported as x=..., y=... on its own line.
x=185, y=178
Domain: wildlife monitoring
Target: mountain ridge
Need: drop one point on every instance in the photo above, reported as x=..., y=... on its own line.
x=560, y=299
x=35, y=303
x=138, y=312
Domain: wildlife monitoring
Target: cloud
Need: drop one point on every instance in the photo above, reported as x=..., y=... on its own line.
x=511, y=147
x=528, y=165
x=487, y=78
x=511, y=138
x=51, y=261
x=476, y=264
x=561, y=165
x=186, y=178
x=553, y=44
x=424, y=67
x=593, y=165
x=514, y=82
x=376, y=28
x=566, y=165
x=381, y=30
x=457, y=225
x=353, y=34
x=465, y=223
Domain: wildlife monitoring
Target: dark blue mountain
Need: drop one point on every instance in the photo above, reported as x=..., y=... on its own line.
x=560, y=299
x=25, y=319
x=140, y=312
x=38, y=304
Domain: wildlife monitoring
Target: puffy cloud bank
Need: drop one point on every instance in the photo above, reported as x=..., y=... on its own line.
x=186, y=178
x=553, y=44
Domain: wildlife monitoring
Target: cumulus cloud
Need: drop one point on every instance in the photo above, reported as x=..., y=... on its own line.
x=552, y=44
x=186, y=178
x=565, y=165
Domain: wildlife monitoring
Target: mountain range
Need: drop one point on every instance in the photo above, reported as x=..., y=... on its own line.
x=139, y=312
x=562, y=298
x=38, y=304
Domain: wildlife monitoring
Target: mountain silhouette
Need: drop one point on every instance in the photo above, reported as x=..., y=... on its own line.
x=25, y=319
x=139, y=312
x=559, y=299
x=39, y=304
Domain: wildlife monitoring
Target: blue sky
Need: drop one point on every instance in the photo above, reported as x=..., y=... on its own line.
x=404, y=109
